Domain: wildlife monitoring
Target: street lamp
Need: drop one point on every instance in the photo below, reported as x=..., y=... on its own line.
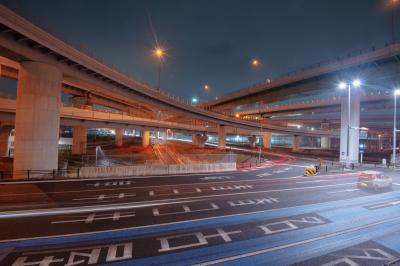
x=255, y=62
x=342, y=85
x=159, y=53
x=206, y=87
x=396, y=92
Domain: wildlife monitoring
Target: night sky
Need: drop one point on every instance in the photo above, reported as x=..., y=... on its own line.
x=213, y=41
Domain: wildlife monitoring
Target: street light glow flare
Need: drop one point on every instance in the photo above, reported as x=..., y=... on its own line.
x=206, y=87
x=159, y=52
x=342, y=85
x=194, y=100
x=397, y=92
x=255, y=62
x=357, y=83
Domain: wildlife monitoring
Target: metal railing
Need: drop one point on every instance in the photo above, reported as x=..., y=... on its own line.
x=39, y=174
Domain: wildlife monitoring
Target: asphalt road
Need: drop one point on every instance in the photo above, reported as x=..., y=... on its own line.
x=267, y=216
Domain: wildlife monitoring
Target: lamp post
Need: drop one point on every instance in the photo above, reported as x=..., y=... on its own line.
x=159, y=53
x=356, y=83
x=396, y=92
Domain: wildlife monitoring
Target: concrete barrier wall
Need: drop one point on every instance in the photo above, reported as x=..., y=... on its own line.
x=143, y=170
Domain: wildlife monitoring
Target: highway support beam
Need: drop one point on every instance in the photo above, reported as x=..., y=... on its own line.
x=145, y=138
x=354, y=136
x=37, y=121
x=79, y=140
x=266, y=140
x=295, y=143
x=119, y=134
x=221, y=137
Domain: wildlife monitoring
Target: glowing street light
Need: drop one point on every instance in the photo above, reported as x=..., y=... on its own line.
x=342, y=85
x=194, y=100
x=206, y=88
x=255, y=62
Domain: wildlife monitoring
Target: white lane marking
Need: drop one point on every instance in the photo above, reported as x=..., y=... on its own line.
x=385, y=204
x=92, y=217
x=121, y=206
x=343, y=191
x=264, y=175
x=314, y=181
x=267, y=250
x=295, y=165
x=180, y=222
x=215, y=177
x=172, y=185
x=103, y=196
x=231, y=187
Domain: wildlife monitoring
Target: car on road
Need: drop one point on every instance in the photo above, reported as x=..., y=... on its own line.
x=374, y=180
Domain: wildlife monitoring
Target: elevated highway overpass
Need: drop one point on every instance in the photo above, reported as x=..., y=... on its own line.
x=44, y=66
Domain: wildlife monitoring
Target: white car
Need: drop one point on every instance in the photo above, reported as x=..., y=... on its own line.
x=374, y=180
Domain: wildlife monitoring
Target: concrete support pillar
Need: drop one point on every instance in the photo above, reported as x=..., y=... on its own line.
x=252, y=141
x=199, y=140
x=4, y=135
x=295, y=143
x=37, y=119
x=164, y=135
x=194, y=139
x=221, y=136
x=79, y=140
x=267, y=140
x=145, y=138
x=354, y=138
x=119, y=134
x=325, y=143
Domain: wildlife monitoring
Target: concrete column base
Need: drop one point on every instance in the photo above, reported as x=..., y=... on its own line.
x=252, y=141
x=267, y=140
x=79, y=140
x=325, y=143
x=221, y=137
x=145, y=138
x=296, y=143
x=37, y=119
x=119, y=134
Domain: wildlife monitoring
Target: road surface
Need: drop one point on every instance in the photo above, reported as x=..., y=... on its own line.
x=267, y=216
